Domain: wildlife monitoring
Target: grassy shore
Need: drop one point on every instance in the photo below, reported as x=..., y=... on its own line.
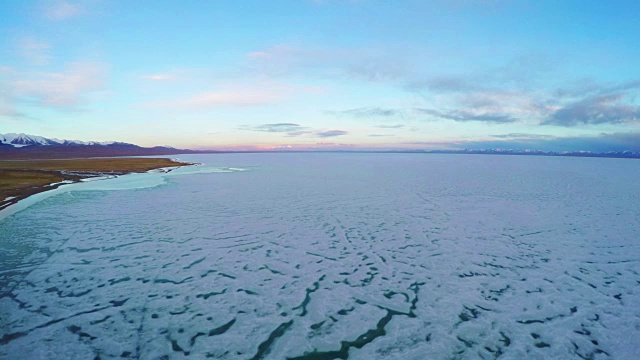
x=23, y=178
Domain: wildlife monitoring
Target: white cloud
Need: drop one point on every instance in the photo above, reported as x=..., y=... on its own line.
x=364, y=64
x=491, y=106
x=7, y=107
x=331, y=133
x=159, y=77
x=235, y=95
x=65, y=90
x=244, y=97
x=176, y=74
x=294, y=130
x=61, y=9
x=212, y=99
x=34, y=51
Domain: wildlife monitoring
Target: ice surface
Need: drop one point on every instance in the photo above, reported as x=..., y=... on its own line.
x=322, y=256
x=110, y=182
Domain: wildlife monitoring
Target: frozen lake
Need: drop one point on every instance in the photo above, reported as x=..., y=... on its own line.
x=325, y=256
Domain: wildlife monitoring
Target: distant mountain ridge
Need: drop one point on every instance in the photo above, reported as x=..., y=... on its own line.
x=23, y=146
x=583, y=153
x=21, y=140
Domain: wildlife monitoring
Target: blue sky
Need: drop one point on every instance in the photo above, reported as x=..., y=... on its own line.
x=332, y=74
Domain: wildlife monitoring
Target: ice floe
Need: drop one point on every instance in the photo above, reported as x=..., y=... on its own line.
x=323, y=256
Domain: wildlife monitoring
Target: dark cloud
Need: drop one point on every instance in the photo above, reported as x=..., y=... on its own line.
x=366, y=112
x=463, y=116
x=330, y=133
x=593, y=110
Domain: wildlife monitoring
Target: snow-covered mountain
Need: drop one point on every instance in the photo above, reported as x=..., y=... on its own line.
x=22, y=140
x=22, y=146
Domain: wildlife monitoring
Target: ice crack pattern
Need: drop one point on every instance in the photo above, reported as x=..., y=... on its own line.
x=332, y=256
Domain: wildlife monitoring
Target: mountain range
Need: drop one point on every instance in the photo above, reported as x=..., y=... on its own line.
x=22, y=146
x=21, y=140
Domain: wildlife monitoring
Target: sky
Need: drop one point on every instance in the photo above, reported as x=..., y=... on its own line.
x=324, y=74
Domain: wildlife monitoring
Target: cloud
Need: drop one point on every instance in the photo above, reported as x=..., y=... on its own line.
x=330, y=133
x=293, y=130
x=463, y=116
x=65, y=90
x=396, y=126
x=288, y=129
x=325, y=2
x=489, y=106
x=298, y=133
x=366, y=112
x=593, y=110
x=604, y=142
x=235, y=96
x=176, y=74
x=371, y=65
x=8, y=109
x=499, y=95
x=62, y=10
x=444, y=84
x=282, y=60
x=34, y=51
x=322, y=146
x=589, y=87
x=504, y=95
x=278, y=127
x=159, y=77
x=588, y=103
x=515, y=91
x=521, y=72
x=238, y=93
x=523, y=136
x=381, y=135
x=377, y=68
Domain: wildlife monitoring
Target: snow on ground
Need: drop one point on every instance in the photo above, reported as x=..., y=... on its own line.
x=323, y=256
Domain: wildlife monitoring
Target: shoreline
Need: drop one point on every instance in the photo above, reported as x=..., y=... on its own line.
x=31, y=177
x=24, y=193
